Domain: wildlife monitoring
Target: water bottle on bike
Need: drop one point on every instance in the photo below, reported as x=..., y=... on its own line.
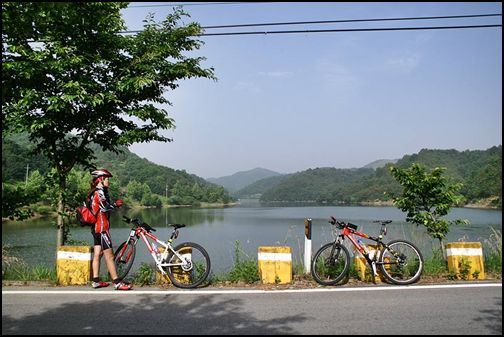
x=156, y=250
x=363, y=245
x=367, y=252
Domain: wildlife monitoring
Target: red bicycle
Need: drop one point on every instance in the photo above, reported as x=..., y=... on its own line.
x=187, y=265
x=400, y=261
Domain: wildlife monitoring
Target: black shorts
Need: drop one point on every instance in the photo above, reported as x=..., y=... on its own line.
x=103, y=240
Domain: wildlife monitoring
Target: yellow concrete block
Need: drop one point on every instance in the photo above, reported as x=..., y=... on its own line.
x=466, y=258
x=275, y=264
x=363, y=269
x=178, y=273
x=73, y=265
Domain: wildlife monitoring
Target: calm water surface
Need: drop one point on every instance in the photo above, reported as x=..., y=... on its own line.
x=218, y=230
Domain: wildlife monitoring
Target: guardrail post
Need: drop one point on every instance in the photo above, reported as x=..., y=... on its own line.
x=307, y=245
x=465, y=259
x=73, y=265
x=275, y=264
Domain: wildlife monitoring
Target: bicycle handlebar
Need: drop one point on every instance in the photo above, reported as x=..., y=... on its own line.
x=176, y=225
x=342, y=224
x=383, y=222
x=146, y=226
x=137, y=223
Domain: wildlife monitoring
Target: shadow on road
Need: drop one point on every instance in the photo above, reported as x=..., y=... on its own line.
x=492, y=318
x=167, y=315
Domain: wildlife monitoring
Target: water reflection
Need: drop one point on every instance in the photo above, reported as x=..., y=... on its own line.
x=167, y=216
x=218, y=229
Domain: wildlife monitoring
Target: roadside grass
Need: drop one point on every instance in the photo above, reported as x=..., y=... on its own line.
x=245, y=269
x=493, y=252
x=435, y=265
x=23, y=272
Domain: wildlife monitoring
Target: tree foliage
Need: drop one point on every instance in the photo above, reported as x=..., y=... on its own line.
x=427, y=197
x=70, y=79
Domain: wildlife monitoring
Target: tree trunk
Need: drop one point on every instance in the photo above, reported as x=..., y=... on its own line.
x=443, y=251
x=61, y=234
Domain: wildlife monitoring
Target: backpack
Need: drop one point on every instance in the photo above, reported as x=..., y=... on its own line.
x=84, y=214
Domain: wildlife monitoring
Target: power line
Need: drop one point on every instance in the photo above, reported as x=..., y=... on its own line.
x=346, y=30
x=340, y=30
x=351, y=20
x=330, y=21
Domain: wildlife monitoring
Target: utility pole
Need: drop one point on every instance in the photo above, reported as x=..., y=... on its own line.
x=166, y=209
x=26, y=179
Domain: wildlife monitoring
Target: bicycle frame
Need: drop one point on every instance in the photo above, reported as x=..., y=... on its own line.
x=349, y=231
x=140, y=232
x=187, y=264
x=399, y=260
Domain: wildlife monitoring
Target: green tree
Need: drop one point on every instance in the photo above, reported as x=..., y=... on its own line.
x=151, y=199
x=197, y=192
x=136, y=190
x=70, y=79
x=427, y=197
x=14, y=202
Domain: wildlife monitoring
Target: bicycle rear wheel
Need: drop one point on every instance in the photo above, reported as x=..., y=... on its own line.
x=193, y=271
x=330, y=264
x=401, y=262
x=123, y=258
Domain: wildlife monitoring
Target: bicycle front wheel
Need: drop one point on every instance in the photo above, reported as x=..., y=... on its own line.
x=193, y=270
x=124, y=257
x=401, y=262
x=330, y=264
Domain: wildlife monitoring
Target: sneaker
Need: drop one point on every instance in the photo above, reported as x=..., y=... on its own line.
x=100, y=284
x=122, y=286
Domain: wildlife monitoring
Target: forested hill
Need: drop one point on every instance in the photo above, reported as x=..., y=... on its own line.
x=479, y=171
x=180, y=186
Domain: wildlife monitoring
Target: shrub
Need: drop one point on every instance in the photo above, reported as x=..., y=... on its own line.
x=245, y=268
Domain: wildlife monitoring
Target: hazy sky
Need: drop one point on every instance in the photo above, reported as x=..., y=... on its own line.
x=289, y=102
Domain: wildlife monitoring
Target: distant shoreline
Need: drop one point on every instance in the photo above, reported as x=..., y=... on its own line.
x=53, y=215
x=482, y=205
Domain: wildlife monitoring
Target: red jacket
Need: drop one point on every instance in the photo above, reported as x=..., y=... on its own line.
x=101, y=206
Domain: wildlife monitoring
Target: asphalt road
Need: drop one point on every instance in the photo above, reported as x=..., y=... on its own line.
x=460, y=309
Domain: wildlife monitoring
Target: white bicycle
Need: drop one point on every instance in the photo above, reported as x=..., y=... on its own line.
x=187, y=265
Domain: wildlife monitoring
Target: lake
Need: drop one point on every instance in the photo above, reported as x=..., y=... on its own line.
x=251, y=224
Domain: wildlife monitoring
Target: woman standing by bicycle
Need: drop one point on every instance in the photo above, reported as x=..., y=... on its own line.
x=101, y=206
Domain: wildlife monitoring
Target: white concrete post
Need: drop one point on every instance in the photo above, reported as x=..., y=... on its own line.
x=307, y=246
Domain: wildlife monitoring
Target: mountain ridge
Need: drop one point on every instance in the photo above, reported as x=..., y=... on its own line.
x=480, y=172
x=380, y=163
x=234, y=183
x=241, y=179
